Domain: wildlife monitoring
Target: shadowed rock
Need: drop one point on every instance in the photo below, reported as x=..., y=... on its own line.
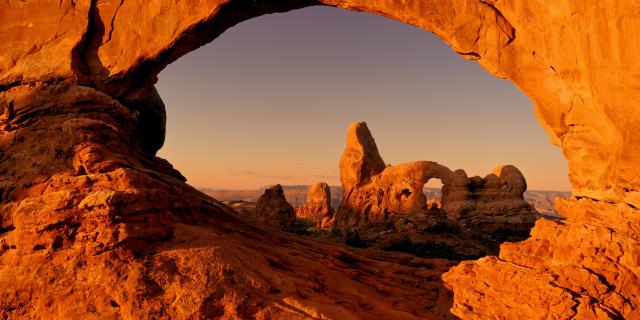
x=273, y=210
x=491, y=205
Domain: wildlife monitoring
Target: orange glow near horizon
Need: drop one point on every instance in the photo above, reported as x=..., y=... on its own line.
x=270, y=101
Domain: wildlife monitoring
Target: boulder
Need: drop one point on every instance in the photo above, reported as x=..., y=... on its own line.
x=273, y=210
x=493, y=205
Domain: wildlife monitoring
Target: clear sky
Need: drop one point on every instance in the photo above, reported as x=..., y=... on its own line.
x=270, y=100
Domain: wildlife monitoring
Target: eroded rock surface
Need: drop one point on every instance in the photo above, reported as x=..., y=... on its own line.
x=93, y=227
x=584, y=267
x=317, y=207
x=374, y=194
x=87, y=211
x=492, y=205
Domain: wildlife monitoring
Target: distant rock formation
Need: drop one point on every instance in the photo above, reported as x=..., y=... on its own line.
x=273, y=210
x=494, y=204
x=374, y=193
x=317, y=208
x=296, y=195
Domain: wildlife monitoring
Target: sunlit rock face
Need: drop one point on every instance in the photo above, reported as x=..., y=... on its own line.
x=81, y=191
x=570, y=77
x=317, y=207
x=384, y=206
x=376, y=194
x=583, y=267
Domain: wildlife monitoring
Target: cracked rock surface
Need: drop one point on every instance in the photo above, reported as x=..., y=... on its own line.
x=92, y=223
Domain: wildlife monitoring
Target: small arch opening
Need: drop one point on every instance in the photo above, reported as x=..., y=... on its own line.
x=433, y=194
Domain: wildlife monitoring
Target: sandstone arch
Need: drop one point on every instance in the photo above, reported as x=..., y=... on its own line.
x=372, y=190
x=381, y=202
x=78, y=75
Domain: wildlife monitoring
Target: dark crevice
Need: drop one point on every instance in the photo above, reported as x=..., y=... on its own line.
x=6, y=230
x=470, y=55
x=31, y=83
x=113, y=20
x=578, y=197
x=64, y=223
x=57, y=243
x=79, y=64
x=6, y=87
x=347, y=258
x=511, y=32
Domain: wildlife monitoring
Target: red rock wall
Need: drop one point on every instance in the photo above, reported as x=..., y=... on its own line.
x=91, y=226
x=575, y=59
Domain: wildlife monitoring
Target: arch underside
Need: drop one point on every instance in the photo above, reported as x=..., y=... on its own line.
x=80, y=75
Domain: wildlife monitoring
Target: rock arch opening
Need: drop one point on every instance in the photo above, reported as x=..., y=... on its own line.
x=265, y=69
x=286, y=75
x=432, y=191
x=94, y=200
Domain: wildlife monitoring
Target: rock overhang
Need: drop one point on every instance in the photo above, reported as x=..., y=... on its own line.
x=575, y=60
